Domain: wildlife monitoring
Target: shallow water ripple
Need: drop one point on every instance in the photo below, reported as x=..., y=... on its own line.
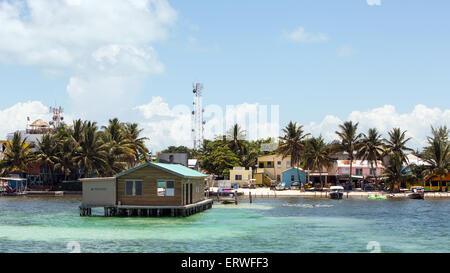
x=267, y=225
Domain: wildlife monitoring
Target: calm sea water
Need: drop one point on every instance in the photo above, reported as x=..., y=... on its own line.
x=268, y=225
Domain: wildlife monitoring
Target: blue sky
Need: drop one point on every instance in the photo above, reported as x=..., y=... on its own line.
x=351, y=56
x=401, y=52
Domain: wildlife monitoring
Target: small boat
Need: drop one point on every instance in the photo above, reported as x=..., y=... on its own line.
x=418, y=193
x=14, y=194
x=337, y=192
x=230, y=199
x=224, y=192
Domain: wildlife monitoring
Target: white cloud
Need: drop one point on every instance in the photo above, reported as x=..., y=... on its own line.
x=157, y=107
x=373, y=2
x=15, y=117
x=105, y=46
x=417, y=123
x=254, y=119
x=301, y=36
x=119, y=59
x=327, y=127
x=164, y=126
x=100, y=97
x=167, y=126
x=58, y=32
x=346, y=51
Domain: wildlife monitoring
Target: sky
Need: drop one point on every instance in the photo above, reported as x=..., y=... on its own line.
x=381, y=63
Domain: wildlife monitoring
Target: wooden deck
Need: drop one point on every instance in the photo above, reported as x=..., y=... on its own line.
x=150, y=211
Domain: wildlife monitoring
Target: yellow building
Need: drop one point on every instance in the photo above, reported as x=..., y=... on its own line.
x=432, y=183
x=270, y=169
x=240, y=176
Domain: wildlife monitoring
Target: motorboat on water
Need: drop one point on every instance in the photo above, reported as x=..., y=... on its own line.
x=337, y=192
x=418, y=193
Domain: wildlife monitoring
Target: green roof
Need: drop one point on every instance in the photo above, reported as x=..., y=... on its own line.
x=175, y=169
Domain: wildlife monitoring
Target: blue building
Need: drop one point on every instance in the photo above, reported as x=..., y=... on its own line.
x=291, y=175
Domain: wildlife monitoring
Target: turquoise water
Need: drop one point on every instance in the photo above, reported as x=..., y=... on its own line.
x=268, y=225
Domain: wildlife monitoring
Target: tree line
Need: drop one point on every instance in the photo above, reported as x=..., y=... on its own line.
x=313, y=153
x=83, y=150
x=78, y=151
x=219, y=156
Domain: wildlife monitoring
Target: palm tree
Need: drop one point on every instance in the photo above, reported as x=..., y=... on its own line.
x=397, y=144
x=249, y=157
x=80, y=147
x=114, y=130
x=118, y=148
x=115, y=158
x=117, y=154
x=395, y=171
x=65, y=152
x=438, y=159
x=317, y=156
x=77, y=130
x=46, y=155
x=371, y=149
x=441, y=133
x=236, y=138
x=90, y=155
x=17, y=156
x=293, y=144
x=349, y=141
x=418, y=173
x=137, y=143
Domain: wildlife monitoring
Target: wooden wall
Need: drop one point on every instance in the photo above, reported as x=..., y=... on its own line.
x=198, y=190
x=150, y=176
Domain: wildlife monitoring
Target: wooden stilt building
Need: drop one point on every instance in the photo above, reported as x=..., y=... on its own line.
x=149, y=190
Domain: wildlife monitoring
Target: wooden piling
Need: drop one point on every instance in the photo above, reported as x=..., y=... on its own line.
x=142, y=211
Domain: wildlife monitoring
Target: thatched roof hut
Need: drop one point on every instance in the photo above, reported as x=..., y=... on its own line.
x=39, y=124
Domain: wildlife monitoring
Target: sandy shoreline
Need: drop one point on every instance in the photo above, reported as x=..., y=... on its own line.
x=267, y=193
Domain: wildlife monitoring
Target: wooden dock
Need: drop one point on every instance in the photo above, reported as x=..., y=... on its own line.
x=150, y=211
x=45, y=193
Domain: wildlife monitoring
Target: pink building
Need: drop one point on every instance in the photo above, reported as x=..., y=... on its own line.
x=360, y=169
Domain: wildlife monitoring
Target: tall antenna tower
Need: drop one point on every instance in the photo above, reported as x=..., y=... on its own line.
x=57, y=116
x=198, y=125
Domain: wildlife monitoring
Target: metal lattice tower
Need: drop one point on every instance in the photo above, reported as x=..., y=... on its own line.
x=57, y=116
x=198, y=125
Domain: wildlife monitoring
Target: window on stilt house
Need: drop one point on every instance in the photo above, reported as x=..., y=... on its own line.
x=133, y=187
x=166, y=188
